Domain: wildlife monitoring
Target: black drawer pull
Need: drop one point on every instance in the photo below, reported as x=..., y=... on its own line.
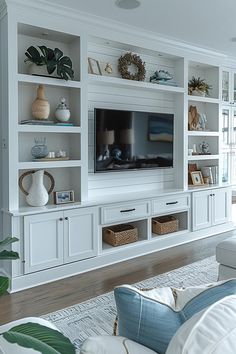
x=171, y=203
x=66, y=218
x=127, y=210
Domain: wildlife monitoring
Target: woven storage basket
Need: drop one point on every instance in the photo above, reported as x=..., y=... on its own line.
x=120, y=234
x=165, y=224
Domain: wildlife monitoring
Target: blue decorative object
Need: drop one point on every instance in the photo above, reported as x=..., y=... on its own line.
x=162, y=77
x=152, y=317
x=39, y=150
x=116, y=153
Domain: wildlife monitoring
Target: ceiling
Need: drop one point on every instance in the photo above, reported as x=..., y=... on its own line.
x=210, y=24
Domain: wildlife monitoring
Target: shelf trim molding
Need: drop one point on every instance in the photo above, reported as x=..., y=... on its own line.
x=97, y=80
x=31, y=79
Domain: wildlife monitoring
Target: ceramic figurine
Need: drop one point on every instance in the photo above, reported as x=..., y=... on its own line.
x=108, y=68
x=204, y=147
x=40, y=106
x=62, y=112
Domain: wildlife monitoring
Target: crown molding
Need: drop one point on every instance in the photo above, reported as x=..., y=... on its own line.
x=93, y=22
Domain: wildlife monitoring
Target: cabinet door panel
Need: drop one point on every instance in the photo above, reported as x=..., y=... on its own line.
x=80, y=235
x=43, y=242
x=201, y=210
x=221, y=206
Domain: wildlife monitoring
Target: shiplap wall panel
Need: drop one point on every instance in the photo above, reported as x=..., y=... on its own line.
x=126, y=98
x=105, y=54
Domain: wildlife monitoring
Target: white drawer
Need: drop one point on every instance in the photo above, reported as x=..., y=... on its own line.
x=125, y=211
x=171, y=203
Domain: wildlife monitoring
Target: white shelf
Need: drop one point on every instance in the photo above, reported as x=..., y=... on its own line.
x=109, y=248
x=179, y=232
x=31, y=79
x=48, y=164
x=202, y=133
x=203, y=157
x=116, y=81
x=203, y=99
x=48, y=128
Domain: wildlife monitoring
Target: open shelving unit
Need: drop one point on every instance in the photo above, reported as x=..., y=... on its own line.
x=69, y=174
x=210, y=107
x=73, y=231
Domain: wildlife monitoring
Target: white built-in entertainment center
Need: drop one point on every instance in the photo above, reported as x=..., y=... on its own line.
x=57, y=241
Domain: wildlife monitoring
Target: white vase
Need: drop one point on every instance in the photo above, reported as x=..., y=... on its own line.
x=37, y=194
x=62, y=112
x=40, y=70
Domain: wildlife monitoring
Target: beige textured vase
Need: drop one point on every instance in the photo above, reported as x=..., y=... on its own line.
x=40, y=106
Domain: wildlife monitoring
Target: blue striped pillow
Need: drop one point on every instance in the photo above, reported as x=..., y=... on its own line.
x=152, y=318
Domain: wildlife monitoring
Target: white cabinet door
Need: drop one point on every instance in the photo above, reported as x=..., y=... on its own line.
x=80, y=234
x=43, y=241
x=229, y=86
x=221, y=202
x=201, y=210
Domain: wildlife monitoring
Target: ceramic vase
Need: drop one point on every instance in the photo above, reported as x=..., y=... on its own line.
x=62, y=112
x=39, y=70
x=37, y=193
x=39, y=150
x=40, y=106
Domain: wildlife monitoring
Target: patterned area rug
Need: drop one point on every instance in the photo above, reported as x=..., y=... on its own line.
x=96, y=316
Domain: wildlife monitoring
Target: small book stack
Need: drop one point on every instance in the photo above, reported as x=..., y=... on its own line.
x=45, y=122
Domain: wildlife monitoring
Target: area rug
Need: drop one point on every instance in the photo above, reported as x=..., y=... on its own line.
x=96, y=316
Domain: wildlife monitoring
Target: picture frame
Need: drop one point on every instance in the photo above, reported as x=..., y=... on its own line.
x=94, y=67
x=197, y=178
x=64, y=197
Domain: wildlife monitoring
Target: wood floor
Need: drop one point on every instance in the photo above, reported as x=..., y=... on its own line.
x=60, y=294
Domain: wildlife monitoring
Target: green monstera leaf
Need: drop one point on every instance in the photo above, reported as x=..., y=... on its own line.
x=4, y=284
x=41, y=338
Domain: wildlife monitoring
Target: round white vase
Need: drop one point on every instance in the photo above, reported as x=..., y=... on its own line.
x=40, y=70
x=37, y=194
x=62, y=112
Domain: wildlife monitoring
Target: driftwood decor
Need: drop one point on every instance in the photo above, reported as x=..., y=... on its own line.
x=123, y=66
x=193, y=118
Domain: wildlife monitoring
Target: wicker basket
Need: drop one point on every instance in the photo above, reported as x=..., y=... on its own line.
x=120, y=234
x=165, y=225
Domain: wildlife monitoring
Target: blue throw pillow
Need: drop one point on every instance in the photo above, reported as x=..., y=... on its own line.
x=151, y=318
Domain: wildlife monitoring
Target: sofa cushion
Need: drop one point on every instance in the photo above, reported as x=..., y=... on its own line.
x=226, y=252
x=152, y=318
x=114, y=345
x=212, y=330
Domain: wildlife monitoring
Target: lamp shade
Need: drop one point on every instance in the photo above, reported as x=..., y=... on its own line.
x=127, y=136
x=105, y=137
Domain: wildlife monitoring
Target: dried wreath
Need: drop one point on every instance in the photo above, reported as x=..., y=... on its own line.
x=125, y=61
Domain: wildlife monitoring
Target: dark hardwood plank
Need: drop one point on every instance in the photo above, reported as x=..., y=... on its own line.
x=50, y=297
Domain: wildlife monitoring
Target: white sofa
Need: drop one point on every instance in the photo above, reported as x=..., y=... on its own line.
x=208, y=322
x=212, y=330
x=226, y=257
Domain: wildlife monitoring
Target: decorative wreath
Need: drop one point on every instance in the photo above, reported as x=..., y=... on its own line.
x=123, y=66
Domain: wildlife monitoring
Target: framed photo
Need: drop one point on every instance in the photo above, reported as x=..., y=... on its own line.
x=197, y=178
x=63, y=197
x=94, y=67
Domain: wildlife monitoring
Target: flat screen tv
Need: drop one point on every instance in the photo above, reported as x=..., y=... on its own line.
x=128, y=140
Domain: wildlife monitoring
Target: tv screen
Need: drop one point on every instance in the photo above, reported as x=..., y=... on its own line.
x=127, y=140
